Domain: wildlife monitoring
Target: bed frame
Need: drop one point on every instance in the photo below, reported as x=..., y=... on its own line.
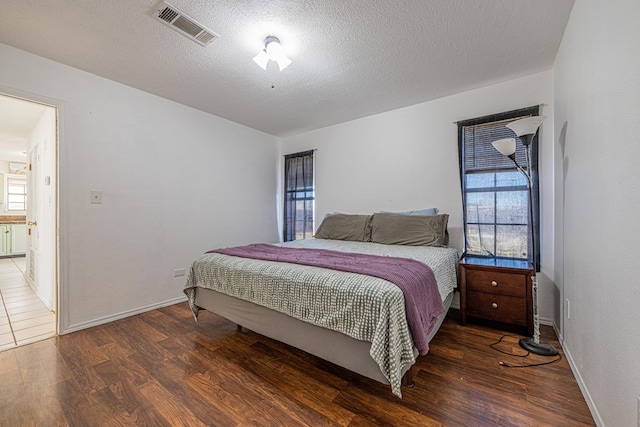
x=329, y=345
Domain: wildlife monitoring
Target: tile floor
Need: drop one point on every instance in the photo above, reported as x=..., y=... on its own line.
x=23, y=317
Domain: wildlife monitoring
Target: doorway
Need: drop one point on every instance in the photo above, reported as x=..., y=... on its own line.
x=28, y=221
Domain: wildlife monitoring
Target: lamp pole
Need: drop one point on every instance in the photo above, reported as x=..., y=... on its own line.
x=533, y=344
x=526, y=129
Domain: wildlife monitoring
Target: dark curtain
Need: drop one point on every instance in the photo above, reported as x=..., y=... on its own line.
x=299, y=195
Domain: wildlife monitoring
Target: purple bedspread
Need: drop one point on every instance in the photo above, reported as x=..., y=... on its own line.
x=416, y=280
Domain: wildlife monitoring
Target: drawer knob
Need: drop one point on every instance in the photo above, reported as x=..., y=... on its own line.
x=494, y=283
x=494, y=305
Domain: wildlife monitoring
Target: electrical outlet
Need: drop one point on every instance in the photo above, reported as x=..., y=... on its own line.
x=179, y=272
x=568, y=308
x=96, y=197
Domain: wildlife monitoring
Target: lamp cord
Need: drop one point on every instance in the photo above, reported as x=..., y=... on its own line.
x=526, y=365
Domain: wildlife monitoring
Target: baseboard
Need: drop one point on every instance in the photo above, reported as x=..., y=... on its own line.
x=558, y=333
x=547, y=322
x=122, y=315
x=583, y=388
x=42, y=297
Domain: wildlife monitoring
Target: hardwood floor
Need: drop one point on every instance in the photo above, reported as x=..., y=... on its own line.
x=163, y=369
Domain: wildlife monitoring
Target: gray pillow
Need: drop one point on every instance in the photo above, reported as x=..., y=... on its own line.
x=345, y=227
x=430, y=211
x=398, y=229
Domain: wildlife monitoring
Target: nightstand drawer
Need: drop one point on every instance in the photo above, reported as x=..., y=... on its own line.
x=497, y=282
x=497, y=307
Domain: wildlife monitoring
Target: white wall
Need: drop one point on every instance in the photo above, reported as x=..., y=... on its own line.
x=175, y=181
x=597, y=105
x=408, y=159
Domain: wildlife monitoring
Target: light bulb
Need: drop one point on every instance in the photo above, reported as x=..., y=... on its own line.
x=274, y=50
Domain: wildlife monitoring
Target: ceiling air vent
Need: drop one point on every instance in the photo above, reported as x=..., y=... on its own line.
x=185, y=25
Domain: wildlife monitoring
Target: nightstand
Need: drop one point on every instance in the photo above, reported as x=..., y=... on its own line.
x=497, y=290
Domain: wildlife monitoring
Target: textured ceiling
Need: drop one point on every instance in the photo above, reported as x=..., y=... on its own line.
x=351, y=58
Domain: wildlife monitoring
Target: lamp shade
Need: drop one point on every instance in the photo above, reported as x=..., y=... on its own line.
x=283, y=62
x=526, y=126
x=506, y=146
x=261, y=59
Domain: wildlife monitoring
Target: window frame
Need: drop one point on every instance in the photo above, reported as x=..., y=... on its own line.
x=305, y=194
x=16, y=180
x=505, y=116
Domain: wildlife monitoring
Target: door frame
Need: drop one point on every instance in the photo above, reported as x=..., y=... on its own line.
x=60, y=217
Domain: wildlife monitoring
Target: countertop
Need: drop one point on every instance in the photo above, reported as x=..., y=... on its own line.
x=13, y=219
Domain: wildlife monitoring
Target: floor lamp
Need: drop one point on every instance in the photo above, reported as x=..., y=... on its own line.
x=525, y=129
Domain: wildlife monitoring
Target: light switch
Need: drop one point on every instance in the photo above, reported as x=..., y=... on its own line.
x=96, y=197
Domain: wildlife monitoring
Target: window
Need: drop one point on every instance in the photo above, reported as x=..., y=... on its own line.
x=299, y=195
x=495, y=194
x=16, y=194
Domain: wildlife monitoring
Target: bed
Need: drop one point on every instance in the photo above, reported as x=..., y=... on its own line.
x=354, y=320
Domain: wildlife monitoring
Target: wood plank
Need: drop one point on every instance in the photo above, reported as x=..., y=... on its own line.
x=15, y=407
x=248, y=397
x=41, y=365
x=81, y=359
x=79, y=408
x=175, y=375
x=382, y=411
x=47, y=397
x=292, y=381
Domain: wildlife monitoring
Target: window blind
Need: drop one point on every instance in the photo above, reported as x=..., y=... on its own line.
x=481, y=156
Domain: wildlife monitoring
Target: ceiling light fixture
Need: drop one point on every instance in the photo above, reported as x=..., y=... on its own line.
x=272, y=51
